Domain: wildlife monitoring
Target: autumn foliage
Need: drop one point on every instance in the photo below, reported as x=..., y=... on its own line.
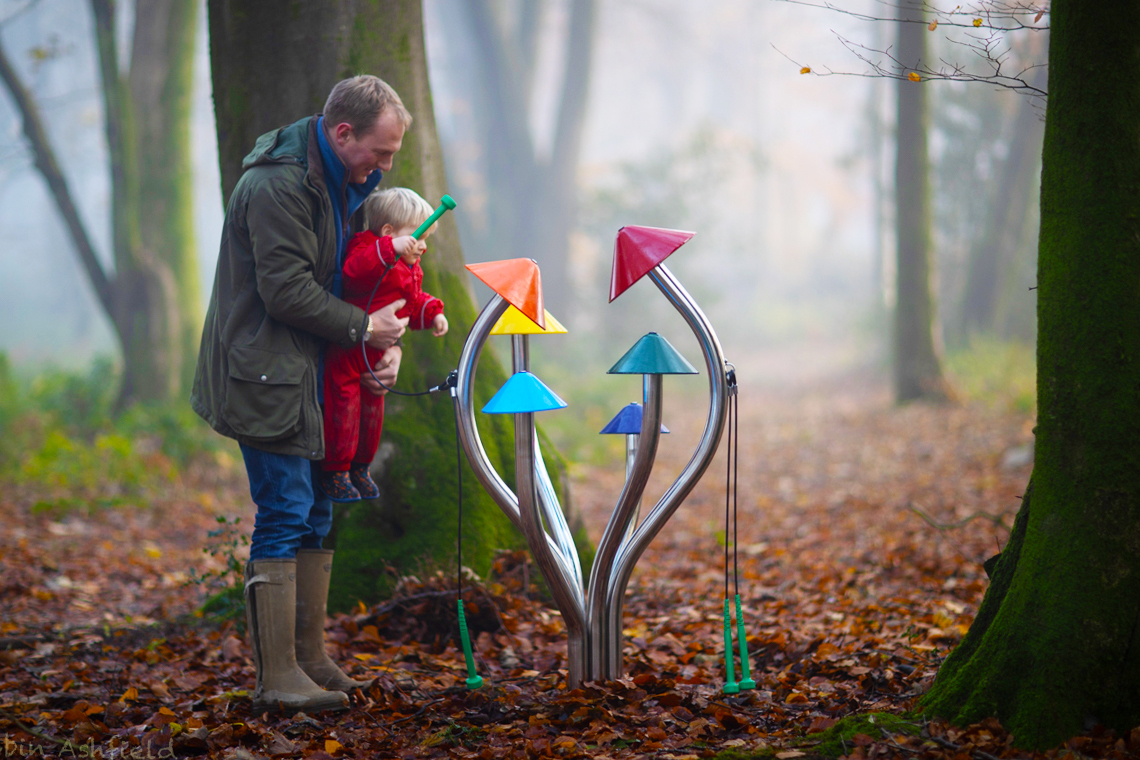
x=863, y=529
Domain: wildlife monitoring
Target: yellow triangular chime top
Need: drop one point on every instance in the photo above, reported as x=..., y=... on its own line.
x=514, y=322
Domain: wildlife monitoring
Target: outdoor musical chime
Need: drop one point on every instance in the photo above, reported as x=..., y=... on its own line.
x=592, y=612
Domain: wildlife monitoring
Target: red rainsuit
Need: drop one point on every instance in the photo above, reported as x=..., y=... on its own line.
x=355, y=418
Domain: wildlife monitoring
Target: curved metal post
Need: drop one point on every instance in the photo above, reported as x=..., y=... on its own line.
x=616, y=527
x=551, y=509
x=632, y=549
x=569, y=603
x=556, y=567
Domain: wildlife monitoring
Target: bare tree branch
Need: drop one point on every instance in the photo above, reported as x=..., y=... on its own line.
x=998, y=15
x=18, y=12
x=45, y=162
x=987, y=24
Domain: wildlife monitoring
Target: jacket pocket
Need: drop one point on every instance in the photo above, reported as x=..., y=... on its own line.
x=265, y=393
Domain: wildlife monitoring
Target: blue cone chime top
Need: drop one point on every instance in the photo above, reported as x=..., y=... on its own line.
x=523, y=392
x=627, y=422
x=652, y=355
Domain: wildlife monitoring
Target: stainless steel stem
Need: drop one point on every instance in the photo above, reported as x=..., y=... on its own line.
x=616, y=527
x=465, y=398
x=551, y=510
x=569, y=603
x=632, y=549
x=567, y=594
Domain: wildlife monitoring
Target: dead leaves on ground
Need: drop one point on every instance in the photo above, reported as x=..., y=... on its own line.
x=850, y=599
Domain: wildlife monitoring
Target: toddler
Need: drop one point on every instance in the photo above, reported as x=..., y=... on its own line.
x=386, y=254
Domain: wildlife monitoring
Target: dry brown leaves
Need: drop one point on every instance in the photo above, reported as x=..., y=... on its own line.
x=852, y=597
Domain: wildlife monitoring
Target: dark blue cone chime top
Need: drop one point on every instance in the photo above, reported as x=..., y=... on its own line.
x=627, y=422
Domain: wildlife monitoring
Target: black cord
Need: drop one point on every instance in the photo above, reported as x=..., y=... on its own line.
x=459, y=476
x=735, y=433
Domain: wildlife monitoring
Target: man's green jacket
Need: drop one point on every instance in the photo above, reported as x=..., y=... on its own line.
x=271, y=309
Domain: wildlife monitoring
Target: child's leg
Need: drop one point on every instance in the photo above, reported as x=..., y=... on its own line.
x=371, y=420
x=342, y=409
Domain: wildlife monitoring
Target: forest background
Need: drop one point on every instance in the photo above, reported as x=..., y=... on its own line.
x=693, y=118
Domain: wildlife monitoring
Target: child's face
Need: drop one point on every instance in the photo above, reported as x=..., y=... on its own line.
x=413, y=255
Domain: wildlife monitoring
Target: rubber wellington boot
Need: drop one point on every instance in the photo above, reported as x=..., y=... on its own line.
x=314, y=568
x=271, y=608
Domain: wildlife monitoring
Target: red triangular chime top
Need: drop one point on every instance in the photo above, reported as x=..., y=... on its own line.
x=518, y=281
x=639, y=249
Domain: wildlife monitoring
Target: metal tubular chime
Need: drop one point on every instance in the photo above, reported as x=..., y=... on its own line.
x=592, y=613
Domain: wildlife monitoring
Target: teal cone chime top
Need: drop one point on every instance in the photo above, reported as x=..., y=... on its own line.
x=652, y=355
x=523, y=392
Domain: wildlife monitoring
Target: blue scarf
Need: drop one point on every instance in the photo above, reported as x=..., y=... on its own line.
x=342, y=193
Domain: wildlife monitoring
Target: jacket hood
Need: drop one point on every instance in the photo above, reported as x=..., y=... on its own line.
x=288, y=144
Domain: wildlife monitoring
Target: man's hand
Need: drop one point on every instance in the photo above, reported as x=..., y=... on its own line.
x=386, y=369
x=386, y=329
x=439, y=326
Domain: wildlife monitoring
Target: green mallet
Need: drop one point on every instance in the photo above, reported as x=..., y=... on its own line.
x=746, y=681
x=446, y=203
x=473, y=681
x=730, y=684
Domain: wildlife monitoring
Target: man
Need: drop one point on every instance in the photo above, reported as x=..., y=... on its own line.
x=273, y=308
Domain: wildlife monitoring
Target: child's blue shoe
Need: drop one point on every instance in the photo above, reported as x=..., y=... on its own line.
x=362, y=479
x=338, y=487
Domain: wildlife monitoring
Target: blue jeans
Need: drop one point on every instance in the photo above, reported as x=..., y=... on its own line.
x=291, y=513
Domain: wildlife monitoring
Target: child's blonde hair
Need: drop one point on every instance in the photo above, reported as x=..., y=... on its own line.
x=397, y=206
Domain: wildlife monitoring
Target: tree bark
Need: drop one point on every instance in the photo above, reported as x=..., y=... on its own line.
x=139, y=298
x=1056, y=644
x=917, y=348
x=161, y=81
x=272, y=68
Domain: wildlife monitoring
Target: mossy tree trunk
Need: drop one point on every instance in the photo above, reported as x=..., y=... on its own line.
x=1056, y=643
x=917, y=360
x=141, y=295
x=271, y=68
x=161, y=82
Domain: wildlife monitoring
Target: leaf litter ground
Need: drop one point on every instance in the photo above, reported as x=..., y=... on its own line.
x=862, y=531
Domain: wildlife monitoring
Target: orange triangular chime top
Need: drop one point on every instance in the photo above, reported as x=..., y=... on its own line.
x=639, y=249
x=518, y=281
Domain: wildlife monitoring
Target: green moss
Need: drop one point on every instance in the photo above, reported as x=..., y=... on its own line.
x=837, y=740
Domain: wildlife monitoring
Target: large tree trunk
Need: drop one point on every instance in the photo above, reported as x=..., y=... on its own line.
x=272, y=68
x=917, y=362
x=161, y=80
x=1056, y=644
x=140, y=297
x=145, y=311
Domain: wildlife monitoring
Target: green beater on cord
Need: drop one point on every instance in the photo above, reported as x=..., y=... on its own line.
x=474, y=681
x=731, y=685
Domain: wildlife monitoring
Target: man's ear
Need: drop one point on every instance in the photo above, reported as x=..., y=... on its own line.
x=342, y=132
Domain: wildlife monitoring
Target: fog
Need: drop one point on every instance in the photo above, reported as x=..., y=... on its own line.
x=698, y=118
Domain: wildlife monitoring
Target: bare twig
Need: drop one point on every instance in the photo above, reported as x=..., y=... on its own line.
x=995, y=519
x=987, y=22
x=31, y=731
x=19, y=12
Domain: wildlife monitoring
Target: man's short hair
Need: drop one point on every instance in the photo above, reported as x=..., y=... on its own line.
x=359, y=101
x=397, y=206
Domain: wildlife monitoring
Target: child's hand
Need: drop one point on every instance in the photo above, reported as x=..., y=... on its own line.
x=407, y=246
x=439, y=326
